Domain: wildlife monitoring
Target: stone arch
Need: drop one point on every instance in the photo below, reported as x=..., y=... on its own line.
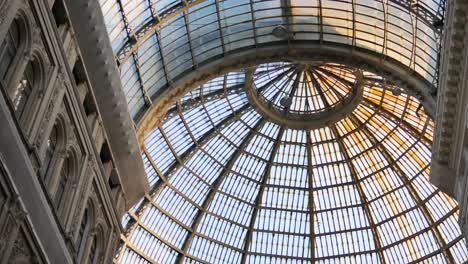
x=86, y=227
x=65, y=182
x=49, y=168
x=96, y=255
x=34, y=71
x=23, y=52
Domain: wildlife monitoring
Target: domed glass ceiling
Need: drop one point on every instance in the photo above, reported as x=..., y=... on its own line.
x=234, y=183
x=304, y=88
x=157, y=42
x=305, y=95
x=229, y=186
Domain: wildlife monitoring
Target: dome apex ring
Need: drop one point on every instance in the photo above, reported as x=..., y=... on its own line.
x=314, y=111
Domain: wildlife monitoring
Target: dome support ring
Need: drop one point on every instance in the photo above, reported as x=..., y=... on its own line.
x=360, y=58
x=304, y=121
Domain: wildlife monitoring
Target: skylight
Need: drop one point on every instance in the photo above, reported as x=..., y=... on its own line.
x=295, y=131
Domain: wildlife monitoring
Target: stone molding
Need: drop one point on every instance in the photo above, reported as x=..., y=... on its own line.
x=451, y=101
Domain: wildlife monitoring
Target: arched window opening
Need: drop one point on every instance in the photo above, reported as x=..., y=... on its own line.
x=62, y=184
x=93, y=251
x=59, y=13
x=8, y=49
x=83, y=225
x=52, y=143
x=83, y=232
x=24, y=90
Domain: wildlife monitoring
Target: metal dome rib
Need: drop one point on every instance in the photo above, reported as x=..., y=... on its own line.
x=158, y=42
x=223, y=169
x=229, y=185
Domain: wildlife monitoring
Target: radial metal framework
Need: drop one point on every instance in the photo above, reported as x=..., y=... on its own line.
x=310, y=95
x=159, y=42
x=230, y=186
x=305, y=89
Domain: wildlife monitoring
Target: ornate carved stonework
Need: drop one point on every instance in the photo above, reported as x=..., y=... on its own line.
x=41, y=138
x=20, y=233
x=450, y=86
x=5, y=5
x=19, y=249
x=22, y=251
x=448, y=170
x=10, y=225
x=82, y=197
x=17, y=211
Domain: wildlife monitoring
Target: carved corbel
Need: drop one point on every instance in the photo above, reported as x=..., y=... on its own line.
x=17, y=211
x=74, y=184
x=93, y=231
x=63, y=154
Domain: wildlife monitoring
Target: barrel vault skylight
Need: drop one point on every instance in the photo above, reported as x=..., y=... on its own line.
x=321, y=157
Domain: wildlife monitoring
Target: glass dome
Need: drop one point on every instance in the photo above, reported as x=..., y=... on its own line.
x=304, y=88
x=306, y=144
x=305, y=95
x=158, y=42
x=230, y=186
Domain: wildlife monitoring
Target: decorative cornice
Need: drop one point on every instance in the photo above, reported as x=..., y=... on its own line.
x=97, y=55
x=451, y=98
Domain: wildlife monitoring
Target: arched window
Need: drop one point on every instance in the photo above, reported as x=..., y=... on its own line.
x=62, y=184
x=52, y=142
x=24, y=90
x=83, y=232
x=8, y=49
x=93, y=251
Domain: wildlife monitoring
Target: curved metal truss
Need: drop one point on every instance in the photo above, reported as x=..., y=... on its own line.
x=393, y=71
x=157, y=42
x=305, y=96
x=156, y=13
x=229, y=186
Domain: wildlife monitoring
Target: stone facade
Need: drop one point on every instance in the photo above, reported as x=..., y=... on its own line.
x=61, y=197
x=449, y=170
